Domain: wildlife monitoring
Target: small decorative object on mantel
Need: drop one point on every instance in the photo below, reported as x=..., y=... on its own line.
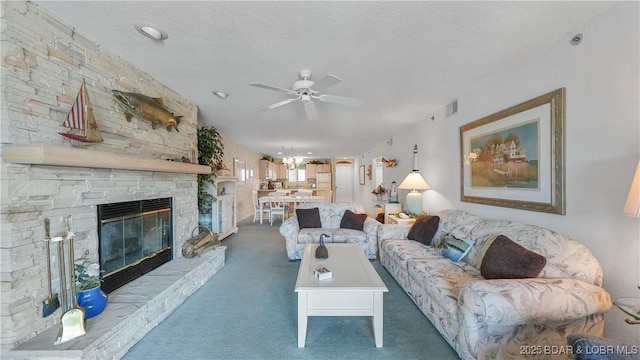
x=146, y=108
x=198, y=244
x=321, y=250
x=81, y=118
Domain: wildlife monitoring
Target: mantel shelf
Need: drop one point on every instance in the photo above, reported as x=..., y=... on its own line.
x=66, y=156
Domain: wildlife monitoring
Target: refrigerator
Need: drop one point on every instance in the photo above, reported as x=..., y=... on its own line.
x=323, y=186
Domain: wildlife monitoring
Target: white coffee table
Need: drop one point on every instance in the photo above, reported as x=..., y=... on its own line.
x=355, y=288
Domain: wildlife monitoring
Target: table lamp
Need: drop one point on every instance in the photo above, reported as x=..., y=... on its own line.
x=631, y=305
x=414, y=181
x=632, y=207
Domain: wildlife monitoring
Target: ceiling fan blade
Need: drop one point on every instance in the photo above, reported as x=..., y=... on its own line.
x=280, y=103
x=340, y=100
x=310, y=109
x=326, y=82
x=275, y=88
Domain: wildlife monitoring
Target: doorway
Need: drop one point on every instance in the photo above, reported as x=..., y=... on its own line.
x=344, y=181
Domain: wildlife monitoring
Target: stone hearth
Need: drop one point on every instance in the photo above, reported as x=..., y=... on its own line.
x=132, y=312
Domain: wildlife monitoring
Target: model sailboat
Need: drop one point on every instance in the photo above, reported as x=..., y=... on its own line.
x=82, y=120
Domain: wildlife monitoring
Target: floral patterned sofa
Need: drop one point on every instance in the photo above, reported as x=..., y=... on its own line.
x=499, y=318
x=330, y=217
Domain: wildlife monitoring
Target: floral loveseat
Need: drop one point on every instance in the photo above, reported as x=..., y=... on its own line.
x=499, y=318
x=331, y=218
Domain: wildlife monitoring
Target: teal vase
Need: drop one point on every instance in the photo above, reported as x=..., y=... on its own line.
x=93, y=301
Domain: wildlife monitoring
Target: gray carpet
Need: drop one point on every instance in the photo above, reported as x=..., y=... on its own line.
x=249, y=311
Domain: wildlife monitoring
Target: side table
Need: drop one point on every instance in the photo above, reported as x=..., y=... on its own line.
x=394, y=219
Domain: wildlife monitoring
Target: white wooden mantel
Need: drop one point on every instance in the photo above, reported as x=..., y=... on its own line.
x=67, y=156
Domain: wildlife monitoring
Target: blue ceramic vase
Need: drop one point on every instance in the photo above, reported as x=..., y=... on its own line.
x=93, y=301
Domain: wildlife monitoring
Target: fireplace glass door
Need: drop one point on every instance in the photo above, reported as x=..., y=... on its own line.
x=133, y=238
x=133, y=241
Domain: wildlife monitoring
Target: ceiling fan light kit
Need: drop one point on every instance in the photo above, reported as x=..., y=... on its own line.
x=307, y=90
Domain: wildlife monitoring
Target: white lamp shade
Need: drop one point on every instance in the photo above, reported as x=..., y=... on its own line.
x=632, y=207
x=414, y=181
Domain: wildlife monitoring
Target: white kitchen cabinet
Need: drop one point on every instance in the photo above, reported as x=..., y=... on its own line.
x=223, y=212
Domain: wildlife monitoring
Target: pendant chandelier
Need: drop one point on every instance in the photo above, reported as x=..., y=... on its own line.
x=292, y=161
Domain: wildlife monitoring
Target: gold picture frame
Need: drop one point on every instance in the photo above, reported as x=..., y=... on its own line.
x=361, y=174
x=515, y=158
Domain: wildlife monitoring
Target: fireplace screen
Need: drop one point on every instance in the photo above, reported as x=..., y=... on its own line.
x=135, y=237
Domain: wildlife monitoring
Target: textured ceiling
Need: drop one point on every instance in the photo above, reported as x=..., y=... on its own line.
x=406, y=60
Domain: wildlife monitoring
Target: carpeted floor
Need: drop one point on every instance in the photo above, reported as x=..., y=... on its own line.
x=249, y=311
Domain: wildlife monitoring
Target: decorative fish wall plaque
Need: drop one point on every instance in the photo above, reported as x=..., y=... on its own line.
x=146, y=108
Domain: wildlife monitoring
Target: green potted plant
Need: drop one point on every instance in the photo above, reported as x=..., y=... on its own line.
x=87, y=275
x=210, y=152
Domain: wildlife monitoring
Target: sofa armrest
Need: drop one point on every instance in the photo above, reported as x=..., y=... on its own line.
x=519, y=301
x=370, y=228
x=290, y=229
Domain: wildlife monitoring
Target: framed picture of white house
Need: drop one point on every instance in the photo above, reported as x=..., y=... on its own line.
x=515, y=157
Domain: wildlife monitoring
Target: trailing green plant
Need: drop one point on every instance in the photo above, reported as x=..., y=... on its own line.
x=210, y=152
x=87, y=275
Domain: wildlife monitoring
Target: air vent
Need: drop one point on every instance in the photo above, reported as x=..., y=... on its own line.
x=452, y=108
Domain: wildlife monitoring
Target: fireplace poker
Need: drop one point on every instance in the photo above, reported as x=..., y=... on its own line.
x=51, y=303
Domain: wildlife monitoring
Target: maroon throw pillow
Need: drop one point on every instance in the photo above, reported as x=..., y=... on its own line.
x=351, y=220
x=424, y=228
x=506, y=259
x=308, y=218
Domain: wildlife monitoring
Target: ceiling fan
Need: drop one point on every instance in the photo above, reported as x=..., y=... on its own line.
x=307, y=91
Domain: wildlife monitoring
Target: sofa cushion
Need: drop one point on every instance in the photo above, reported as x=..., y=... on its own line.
x=308, y=218
x=424, y=228
x=351, y=220
x=506, y=259
x=453, y=248
x=401, y=251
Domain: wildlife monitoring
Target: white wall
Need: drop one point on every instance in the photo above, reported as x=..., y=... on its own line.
x=602, y=129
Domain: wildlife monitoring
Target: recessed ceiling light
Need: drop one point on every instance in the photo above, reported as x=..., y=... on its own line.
x=279, y=152
x=221, y=94
x=576, y=39
x=309, y=153
x=151, y=32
